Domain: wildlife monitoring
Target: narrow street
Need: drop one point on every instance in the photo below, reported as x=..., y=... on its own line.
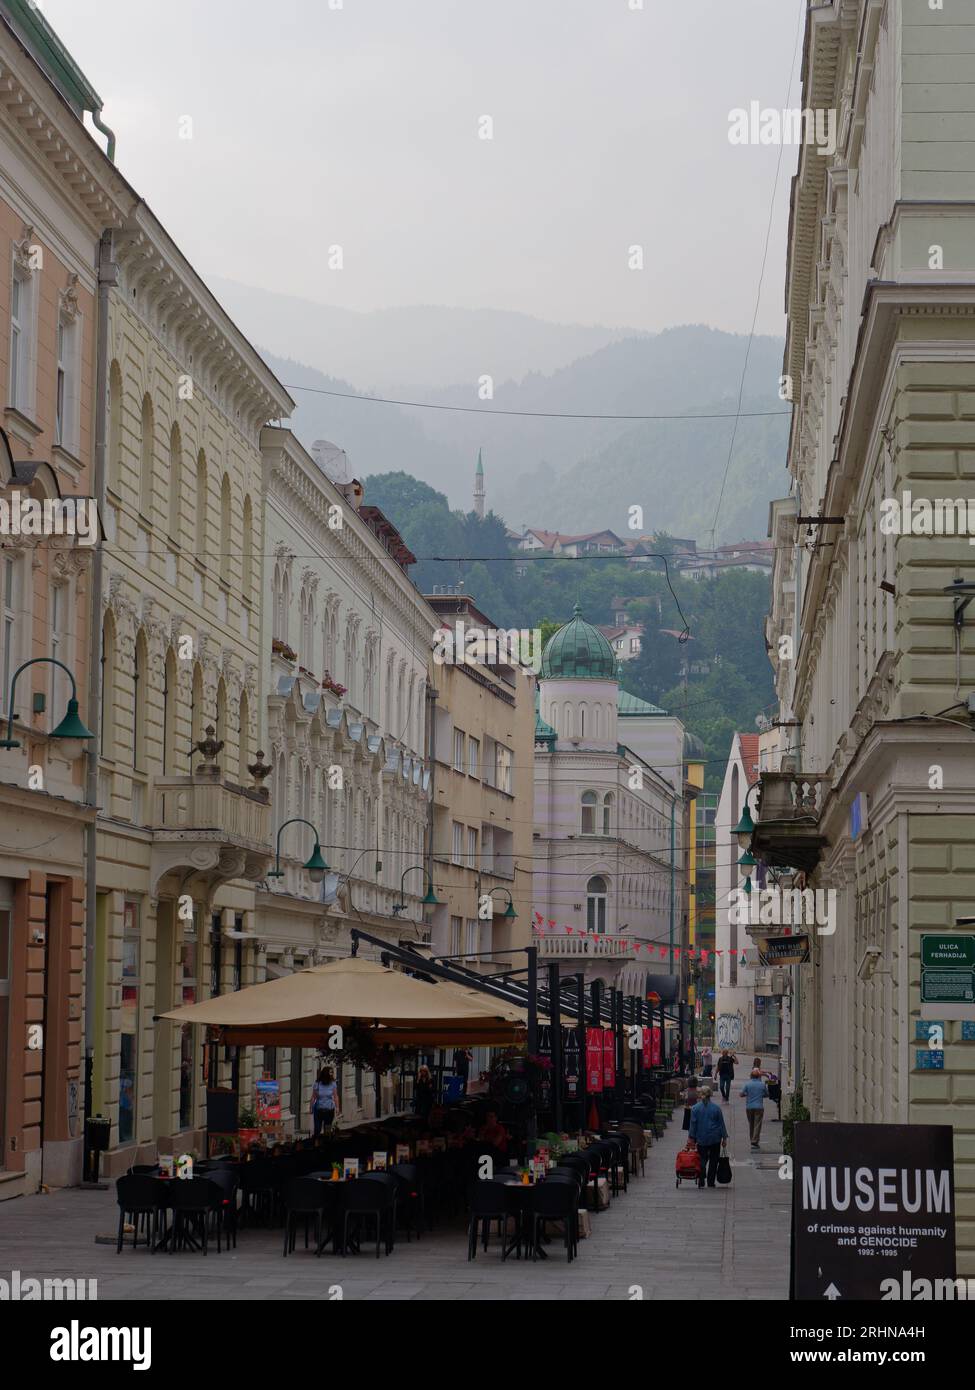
x=722, y=1243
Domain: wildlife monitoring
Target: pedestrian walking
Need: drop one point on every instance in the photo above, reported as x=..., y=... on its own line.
x=755, y=1092
x=707, y=1060
x=709, y=1132
x=726, y=1073
x=324, y=1101
x=690, y=1100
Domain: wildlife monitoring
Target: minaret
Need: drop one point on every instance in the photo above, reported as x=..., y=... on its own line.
x=479, y=487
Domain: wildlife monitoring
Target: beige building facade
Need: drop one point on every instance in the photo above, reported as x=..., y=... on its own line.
x=875, y=662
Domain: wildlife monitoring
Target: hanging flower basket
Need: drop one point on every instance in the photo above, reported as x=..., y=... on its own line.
x=329, y=684
x=360, y=1048
x=280, y=648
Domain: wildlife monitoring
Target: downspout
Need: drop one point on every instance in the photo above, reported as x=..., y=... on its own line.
x=99, y=124
x=107, y=280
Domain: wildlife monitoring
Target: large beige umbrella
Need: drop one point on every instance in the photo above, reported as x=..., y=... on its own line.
x=298, y=1010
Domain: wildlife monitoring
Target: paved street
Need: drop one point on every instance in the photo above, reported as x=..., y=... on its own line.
x=725, y=1243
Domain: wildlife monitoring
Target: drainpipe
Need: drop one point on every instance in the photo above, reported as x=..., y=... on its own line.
x=107, y=280
x=99, y=124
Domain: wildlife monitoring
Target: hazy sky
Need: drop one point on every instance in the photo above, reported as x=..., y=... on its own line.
x=358, y=126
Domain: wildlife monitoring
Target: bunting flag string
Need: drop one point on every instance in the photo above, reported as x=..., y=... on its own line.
x=548, y=924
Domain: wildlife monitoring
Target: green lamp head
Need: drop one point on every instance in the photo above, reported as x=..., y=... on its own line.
x=430, y=898
x=745, y=827
x=71, y=725
x=316, y=867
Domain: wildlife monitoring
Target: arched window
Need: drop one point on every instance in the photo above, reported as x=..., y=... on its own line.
x=225, y=532
x=221, y=734
x=368, y=679
x=243, y=738
x=202, y=507
x=582, y=721
x=567, y=731
x=597, y=721
x=108, y=686
x=596, y=904
x=247, y=552
x=607, y=812
x=306, y=651
x=115, y=427
x=196, y=709
x=170, y=691
x=735, y=808
x=140, y=694
x=148, y=444
x=280, y=808
x=175, y=481
x=588, y=813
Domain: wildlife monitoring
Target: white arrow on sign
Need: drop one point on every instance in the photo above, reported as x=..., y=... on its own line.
x=832, y=1292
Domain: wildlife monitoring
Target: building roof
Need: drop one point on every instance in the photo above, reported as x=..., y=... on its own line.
x=749, y=755
x=578, y=651
x=630, y=706
x=550, y=539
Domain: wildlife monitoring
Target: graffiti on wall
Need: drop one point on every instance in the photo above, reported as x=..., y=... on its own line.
x=730, y=1030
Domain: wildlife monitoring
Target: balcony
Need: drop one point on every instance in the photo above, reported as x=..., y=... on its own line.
x=209, y=831
x=787, y=817
x=577, y=947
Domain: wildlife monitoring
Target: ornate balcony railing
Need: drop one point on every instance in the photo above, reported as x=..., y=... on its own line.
x=208, y=829
x=788, y=810
x=573, y=947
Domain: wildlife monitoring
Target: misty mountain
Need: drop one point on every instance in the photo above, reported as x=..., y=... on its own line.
x=399, y=351
x=575, y=474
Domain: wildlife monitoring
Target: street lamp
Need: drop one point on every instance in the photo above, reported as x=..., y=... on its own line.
x=70, y=727
x=429, y=899
x=316, y=866
x=509, y=914
x=746, y=826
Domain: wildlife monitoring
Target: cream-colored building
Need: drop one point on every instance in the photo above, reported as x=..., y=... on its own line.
x=183, y=832
x=58, y=193
x=345, y=641
x=876, y=793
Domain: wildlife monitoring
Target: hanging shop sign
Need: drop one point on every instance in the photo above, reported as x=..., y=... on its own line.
x=572, y=1063
x=609, y=1058
x=656, y=1047
x=873, y=1211
x=647, y=1046
x=594, y=1059
x=784, y=950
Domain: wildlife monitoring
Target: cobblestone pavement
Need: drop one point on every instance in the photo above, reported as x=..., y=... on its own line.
x=720, y=1243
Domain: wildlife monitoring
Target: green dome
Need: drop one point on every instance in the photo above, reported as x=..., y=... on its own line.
x=578, y=651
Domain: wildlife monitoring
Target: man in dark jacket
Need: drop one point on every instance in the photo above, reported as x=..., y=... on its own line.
x=708, y=1129
x=726, y=1073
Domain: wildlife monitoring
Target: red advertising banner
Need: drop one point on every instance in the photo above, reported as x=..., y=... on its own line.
x=609, y=1058
x=647, y=1048
x=655, y=1051
x=594, y=1059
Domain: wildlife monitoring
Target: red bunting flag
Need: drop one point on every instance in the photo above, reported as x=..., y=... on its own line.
x=663, y=953
x=538, y=916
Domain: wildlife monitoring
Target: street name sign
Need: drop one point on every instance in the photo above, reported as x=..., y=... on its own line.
x=947, y=968
x=871, y=1204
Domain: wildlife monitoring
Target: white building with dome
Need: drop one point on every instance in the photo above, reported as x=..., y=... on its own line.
x=609, y=865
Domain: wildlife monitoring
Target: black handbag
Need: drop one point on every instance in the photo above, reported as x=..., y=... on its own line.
x=723, y=1174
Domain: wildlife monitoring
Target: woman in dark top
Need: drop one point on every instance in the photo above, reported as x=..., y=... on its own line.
x=726, y=1073
x=690, y=1100
x=423, y=1093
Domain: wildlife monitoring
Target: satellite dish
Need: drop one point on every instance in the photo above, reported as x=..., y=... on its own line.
x=332, y=460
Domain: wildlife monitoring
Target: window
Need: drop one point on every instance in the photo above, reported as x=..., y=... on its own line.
x=148, y=443
x=471, y=848
x=456, y=925
x=471, y=943
x=175, y=480
x=503, y=775
x=21, y=338
x=129, y=1025
x=61, y=386
x=243, y=738
x=170, y=692
x=139, y=698
x=458, y=750
x=596, y=905
x=8, y=635
x=188, y=995
x=247, y=567
x=473, y=756
x=225, y=540
x=57, y=608
x=457, y=848
x=108, y=686
x=607, y=812
x=115, y=427
x=202, y=506
x=588, y=813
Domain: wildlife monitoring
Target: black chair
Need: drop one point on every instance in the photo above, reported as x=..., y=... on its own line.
x=409, y=1197
x=139, y=1196
x=144, y=1169
x=258, y=1185
x=226, y=1215
x=552, y=1202
x=193, y=1201
x=367, y=1201
x=308, y=1198
x=586, y=1164
x=491, y=1201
